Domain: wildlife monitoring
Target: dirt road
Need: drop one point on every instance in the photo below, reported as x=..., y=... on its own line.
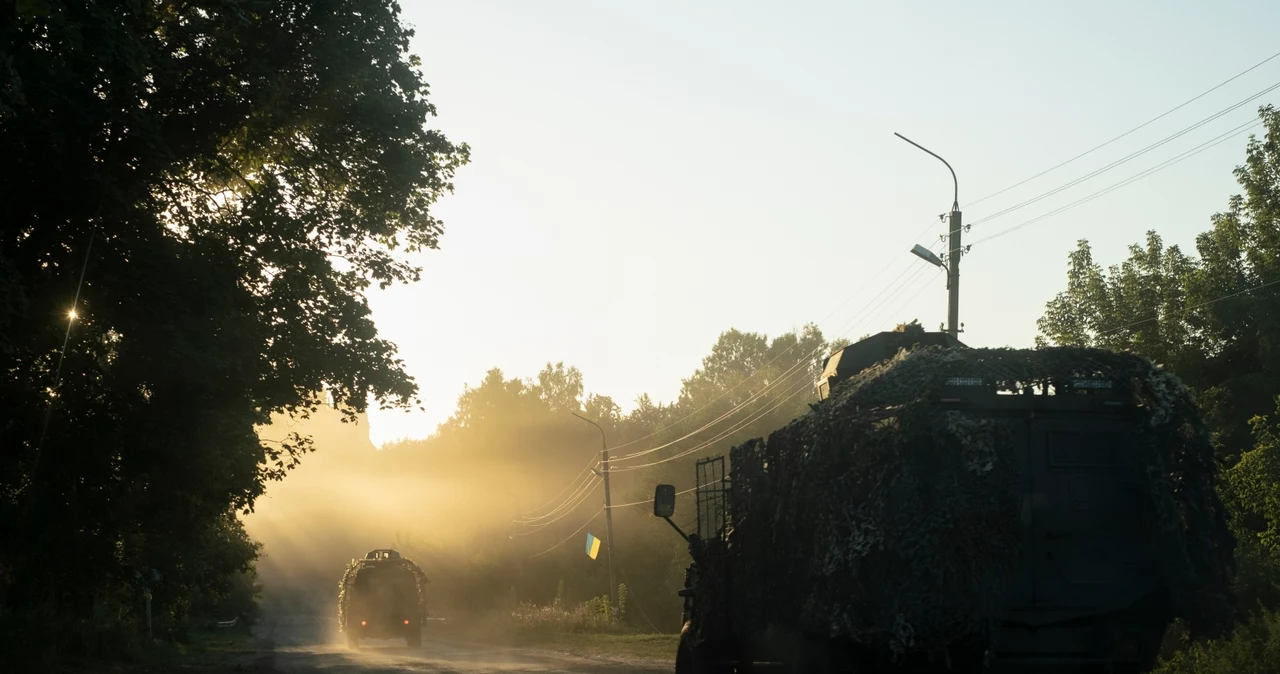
x=309, y=645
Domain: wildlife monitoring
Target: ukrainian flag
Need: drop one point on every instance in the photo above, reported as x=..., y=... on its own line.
x=593, y=546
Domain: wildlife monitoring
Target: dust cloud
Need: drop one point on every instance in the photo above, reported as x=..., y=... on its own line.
x=447, y=511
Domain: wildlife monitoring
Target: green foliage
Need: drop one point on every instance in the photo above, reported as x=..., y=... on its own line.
x=519, y=434
x=1254, y=648
x=241, y=174
x=593, y=615
x=1212, y=319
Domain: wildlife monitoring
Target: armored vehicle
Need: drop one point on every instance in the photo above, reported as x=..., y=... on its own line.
x=956, y=509
x=382, y=596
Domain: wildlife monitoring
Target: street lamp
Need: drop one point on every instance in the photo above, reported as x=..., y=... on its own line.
x=952, y=265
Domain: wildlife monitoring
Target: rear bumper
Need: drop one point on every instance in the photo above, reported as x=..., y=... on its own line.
x=1126, y=641
x=382, y=629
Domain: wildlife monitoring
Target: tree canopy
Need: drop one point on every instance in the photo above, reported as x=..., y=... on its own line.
x=1211, y=318
x=210, y=187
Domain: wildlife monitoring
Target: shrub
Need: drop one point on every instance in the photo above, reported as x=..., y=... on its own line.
x=593, y=615
x=1254, y=648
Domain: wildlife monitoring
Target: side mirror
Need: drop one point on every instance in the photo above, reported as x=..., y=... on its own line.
x=664, y=500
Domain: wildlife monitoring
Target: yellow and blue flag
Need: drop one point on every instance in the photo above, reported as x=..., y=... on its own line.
x=593, y=546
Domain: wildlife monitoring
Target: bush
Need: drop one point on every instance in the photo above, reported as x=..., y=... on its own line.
x=1254, y=648
x=593, y=615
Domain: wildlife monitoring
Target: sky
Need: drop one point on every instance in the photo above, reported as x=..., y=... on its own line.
x=647, y=175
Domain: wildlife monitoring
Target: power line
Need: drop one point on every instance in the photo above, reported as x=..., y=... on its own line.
x=575, y=494
x=1126, y=133
x=567, y=511
x=779, y=401
x=1128, y=158
x=737, y=407
x=758, y=369
x=1192, y=307
x=799, y=363
x=1127, y=181
x=590, y=464
x=566, y=538
x=804, y=384
x=679, y=493
x=988, y=218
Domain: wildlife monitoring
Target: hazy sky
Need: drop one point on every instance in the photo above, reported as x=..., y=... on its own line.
x=648, y=174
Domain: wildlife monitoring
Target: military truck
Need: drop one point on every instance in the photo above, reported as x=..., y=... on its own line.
x=943, y=508
x=382, y=596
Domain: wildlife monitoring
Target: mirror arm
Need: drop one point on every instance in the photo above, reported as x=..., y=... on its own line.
x=677, y=528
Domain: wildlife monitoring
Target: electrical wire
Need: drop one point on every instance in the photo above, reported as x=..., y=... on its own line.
x=590, y=464
x=758, y=369
x=885, y=302
x=799, y=363
x=1126, y=133
x=1132, y=179
x=733, y=410
x=567, y=538
x=567, y=511
x=804, y=384
x=557, y=509
x=679, y=493
x=987, y=219
x=1192, y=307
x=1125, y=159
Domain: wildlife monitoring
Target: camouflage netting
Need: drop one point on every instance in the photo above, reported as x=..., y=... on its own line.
x=356, y=565
x=901, y=519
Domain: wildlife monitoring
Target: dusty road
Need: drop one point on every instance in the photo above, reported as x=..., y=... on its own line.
x=309, y=645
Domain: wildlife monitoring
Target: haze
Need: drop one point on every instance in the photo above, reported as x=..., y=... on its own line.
x=648, y=175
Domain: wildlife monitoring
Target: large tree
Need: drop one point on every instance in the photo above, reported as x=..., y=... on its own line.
x=1213, y=319
x=218, y=182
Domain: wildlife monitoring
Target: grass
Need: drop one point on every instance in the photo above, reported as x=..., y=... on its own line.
x=627, y=646
x=207, y=652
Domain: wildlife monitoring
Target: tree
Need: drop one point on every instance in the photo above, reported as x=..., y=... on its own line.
x=560, y=388
x=1212, y=318
x=231, y=178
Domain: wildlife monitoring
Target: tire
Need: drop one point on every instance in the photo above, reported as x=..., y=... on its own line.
x=684, y=659
x=414, y=638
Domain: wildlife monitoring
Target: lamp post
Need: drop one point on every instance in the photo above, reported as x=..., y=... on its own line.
x=952, y=264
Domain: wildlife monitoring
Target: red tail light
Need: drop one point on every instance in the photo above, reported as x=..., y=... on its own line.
x=406, y=622
x=363, y=623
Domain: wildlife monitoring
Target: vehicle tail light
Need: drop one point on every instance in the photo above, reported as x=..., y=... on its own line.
x=364, y=624
x=406, y=622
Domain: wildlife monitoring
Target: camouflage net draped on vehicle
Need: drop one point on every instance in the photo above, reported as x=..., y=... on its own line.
x=354, y=568
x=901, y=520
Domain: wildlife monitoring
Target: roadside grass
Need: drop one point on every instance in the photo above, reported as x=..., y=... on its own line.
x=607, y=644
x=208, y=651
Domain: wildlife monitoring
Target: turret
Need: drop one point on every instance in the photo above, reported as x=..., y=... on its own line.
x=861, y=355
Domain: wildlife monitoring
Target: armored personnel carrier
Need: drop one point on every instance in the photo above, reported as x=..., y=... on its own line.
x=943, y=508
x=382, y=596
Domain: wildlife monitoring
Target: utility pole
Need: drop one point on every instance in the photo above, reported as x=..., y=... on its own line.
x=608, y=513
x=955, y=250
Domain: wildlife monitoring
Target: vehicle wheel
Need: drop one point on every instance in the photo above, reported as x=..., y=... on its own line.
x=684, y=659
x=813, y=657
